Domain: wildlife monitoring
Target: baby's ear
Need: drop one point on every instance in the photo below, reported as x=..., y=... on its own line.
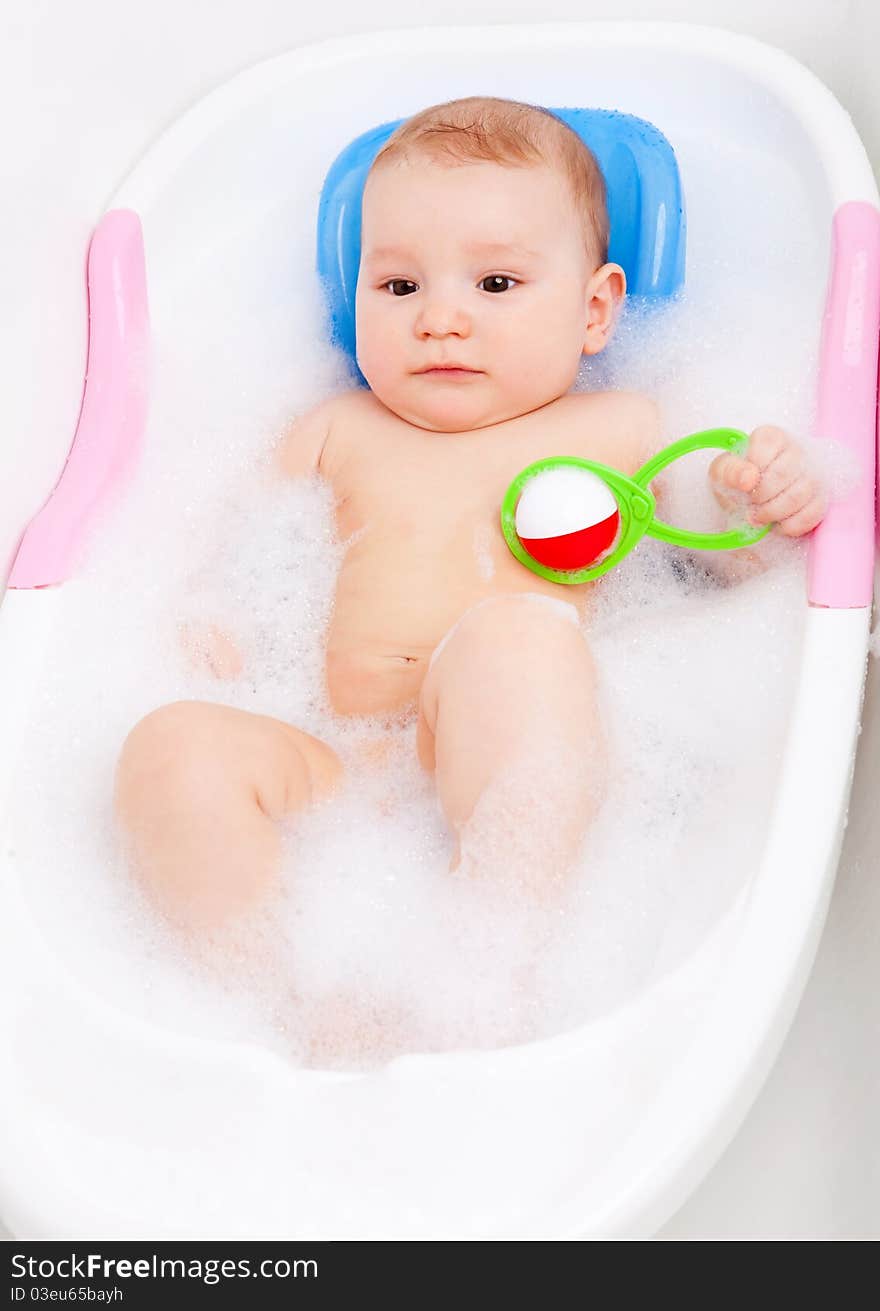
x=606, y=290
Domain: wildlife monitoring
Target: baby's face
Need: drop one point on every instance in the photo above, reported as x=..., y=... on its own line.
x=475, y=265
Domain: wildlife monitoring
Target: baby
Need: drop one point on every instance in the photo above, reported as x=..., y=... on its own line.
x=483, y=280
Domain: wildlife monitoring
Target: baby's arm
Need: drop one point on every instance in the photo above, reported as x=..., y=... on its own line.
x=298, y=453
x=303, y=441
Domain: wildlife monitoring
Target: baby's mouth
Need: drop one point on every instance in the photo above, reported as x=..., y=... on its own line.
x=449, y=371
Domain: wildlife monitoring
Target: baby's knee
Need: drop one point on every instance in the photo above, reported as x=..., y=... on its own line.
x=169, y=750
x=303, y=769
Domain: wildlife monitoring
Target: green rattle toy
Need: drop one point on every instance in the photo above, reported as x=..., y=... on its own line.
x=571, y=520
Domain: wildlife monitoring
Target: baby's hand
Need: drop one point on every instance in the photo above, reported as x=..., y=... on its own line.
x=209, y=650
x=776, y=481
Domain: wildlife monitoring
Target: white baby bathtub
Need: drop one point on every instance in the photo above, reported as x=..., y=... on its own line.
x=603, y=1131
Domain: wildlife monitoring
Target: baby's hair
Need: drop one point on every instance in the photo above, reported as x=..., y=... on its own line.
x=508, y=132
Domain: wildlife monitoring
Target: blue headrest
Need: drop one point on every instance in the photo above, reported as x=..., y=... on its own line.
x=645, y=209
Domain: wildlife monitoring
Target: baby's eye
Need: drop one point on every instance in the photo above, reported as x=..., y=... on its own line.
x=491, y=282
x=401, y=287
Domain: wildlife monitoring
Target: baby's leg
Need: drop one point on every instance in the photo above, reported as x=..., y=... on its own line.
x=200, y=789
x=509, y=721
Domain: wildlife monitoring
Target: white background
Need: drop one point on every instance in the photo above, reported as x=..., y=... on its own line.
x=84, y=89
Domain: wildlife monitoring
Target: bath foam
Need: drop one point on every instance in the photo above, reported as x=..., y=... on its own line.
x=694, y=679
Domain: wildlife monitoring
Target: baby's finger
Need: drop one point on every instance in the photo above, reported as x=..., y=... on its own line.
x=805, y=520
x=732, y=471
x=779, y=474
x=791, y=500
x=766, y=443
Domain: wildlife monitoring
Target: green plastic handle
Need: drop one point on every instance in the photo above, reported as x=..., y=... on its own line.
x=725, y=439
x=636, y=504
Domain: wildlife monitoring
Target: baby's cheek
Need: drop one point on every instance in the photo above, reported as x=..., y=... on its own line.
x=537, y=343
x=371, y=330
x=376, y=358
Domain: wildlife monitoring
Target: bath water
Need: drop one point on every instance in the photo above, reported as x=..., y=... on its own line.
x=369, y=941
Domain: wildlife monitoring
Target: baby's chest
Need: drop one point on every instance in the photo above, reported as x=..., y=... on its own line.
x=431, y=500
x=441, y=484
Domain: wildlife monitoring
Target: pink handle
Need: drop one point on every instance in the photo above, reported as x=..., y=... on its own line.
x=841, y=558
x=114, y=408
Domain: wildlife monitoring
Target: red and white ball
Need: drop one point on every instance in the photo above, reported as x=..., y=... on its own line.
x=567, y=518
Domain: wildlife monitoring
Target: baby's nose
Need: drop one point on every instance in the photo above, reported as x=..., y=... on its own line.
x=442, y=318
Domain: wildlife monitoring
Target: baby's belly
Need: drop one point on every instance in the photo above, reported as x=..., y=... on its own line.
x=364, y=681
x=381, y=638
x=390, y=614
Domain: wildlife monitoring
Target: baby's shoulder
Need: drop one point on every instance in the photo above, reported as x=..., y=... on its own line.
x=629, y=420
x=334, y=410
x=316, y=440
x=357, y=406
x=355, y=421
x=632, y=408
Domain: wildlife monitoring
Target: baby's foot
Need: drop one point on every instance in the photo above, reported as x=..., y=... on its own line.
x=374, y=753
x=344, y=1031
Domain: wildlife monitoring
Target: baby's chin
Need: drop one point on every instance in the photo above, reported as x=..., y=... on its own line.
x=453, y=413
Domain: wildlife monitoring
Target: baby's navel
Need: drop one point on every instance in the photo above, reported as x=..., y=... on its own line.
x=483, y=551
